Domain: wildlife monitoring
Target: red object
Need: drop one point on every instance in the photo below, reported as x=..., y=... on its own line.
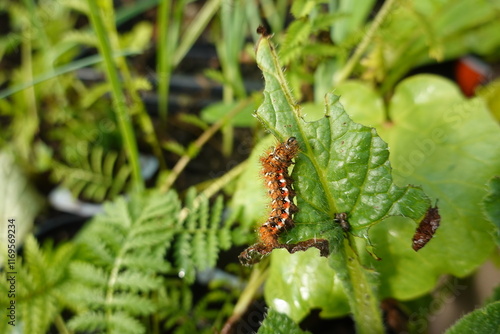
x=471, y=72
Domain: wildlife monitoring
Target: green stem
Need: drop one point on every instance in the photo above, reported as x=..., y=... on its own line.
x=163, y=69
x=195, y=29
x=135, y=103
x=347, y=69
x=357, y=284
x=119, y=101
x=61, y=325
x=257, y=278
x=198, y=144
x=170, y=52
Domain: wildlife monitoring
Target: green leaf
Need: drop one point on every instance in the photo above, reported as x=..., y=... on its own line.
x=302, y=8
x=490, y=93
x=483, y=320
x=276, y=322
x=492, y=205
x=118, y=279
x=216, y=111
x=355, y=14
x=362, y=103
x=95, y=176
x=40, y=280
x=318, y=287
x=111, y=269
x=437, y=138
x=450, y=146
x=425, y=31
x=342, y=166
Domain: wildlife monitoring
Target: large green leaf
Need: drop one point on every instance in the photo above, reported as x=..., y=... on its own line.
x=450, y=146
x=342, y=167
x=483, y=320
x=315, y=285
x=492, y=205
x=420, y=32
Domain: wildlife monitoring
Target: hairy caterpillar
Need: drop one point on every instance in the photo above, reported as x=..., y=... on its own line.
x=275, y=166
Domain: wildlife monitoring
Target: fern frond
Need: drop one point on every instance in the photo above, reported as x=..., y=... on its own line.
x=183, y=257
x=216, y=237
x=40, y=281
x=123, y=250
x=89, y=273
x=90, y=321
x=199, y=236
x=136, y=281
x=132, y=304
x=96, y=177
x=297, y=34
x=82, y=298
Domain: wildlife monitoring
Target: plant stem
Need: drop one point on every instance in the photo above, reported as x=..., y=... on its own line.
x=170, y=53
x=359, y=288
x=60, y=325
x=30, y=81
x=196, y=146
x=258, y=276
x=163, y=69
x=195, y=29
x=119, y=101
x=135, y=104
x=347, y=69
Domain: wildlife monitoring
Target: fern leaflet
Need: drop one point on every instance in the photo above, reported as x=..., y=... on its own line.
x=98, y=176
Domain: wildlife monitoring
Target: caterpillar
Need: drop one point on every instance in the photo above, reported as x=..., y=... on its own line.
x=275, y=171
x=275, y=166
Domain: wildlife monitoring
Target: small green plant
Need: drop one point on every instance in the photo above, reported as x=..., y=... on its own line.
x=138, y=256
x=123, y=257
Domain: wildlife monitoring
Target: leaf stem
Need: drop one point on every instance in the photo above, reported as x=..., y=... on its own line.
x=135, y=105
x=358, y=286
x=163, y=67
x=119, y=101
x=195, y=29
x=347, y=69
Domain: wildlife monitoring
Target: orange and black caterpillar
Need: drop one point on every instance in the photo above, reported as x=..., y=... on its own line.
x=275, y=170
x=275, y=166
